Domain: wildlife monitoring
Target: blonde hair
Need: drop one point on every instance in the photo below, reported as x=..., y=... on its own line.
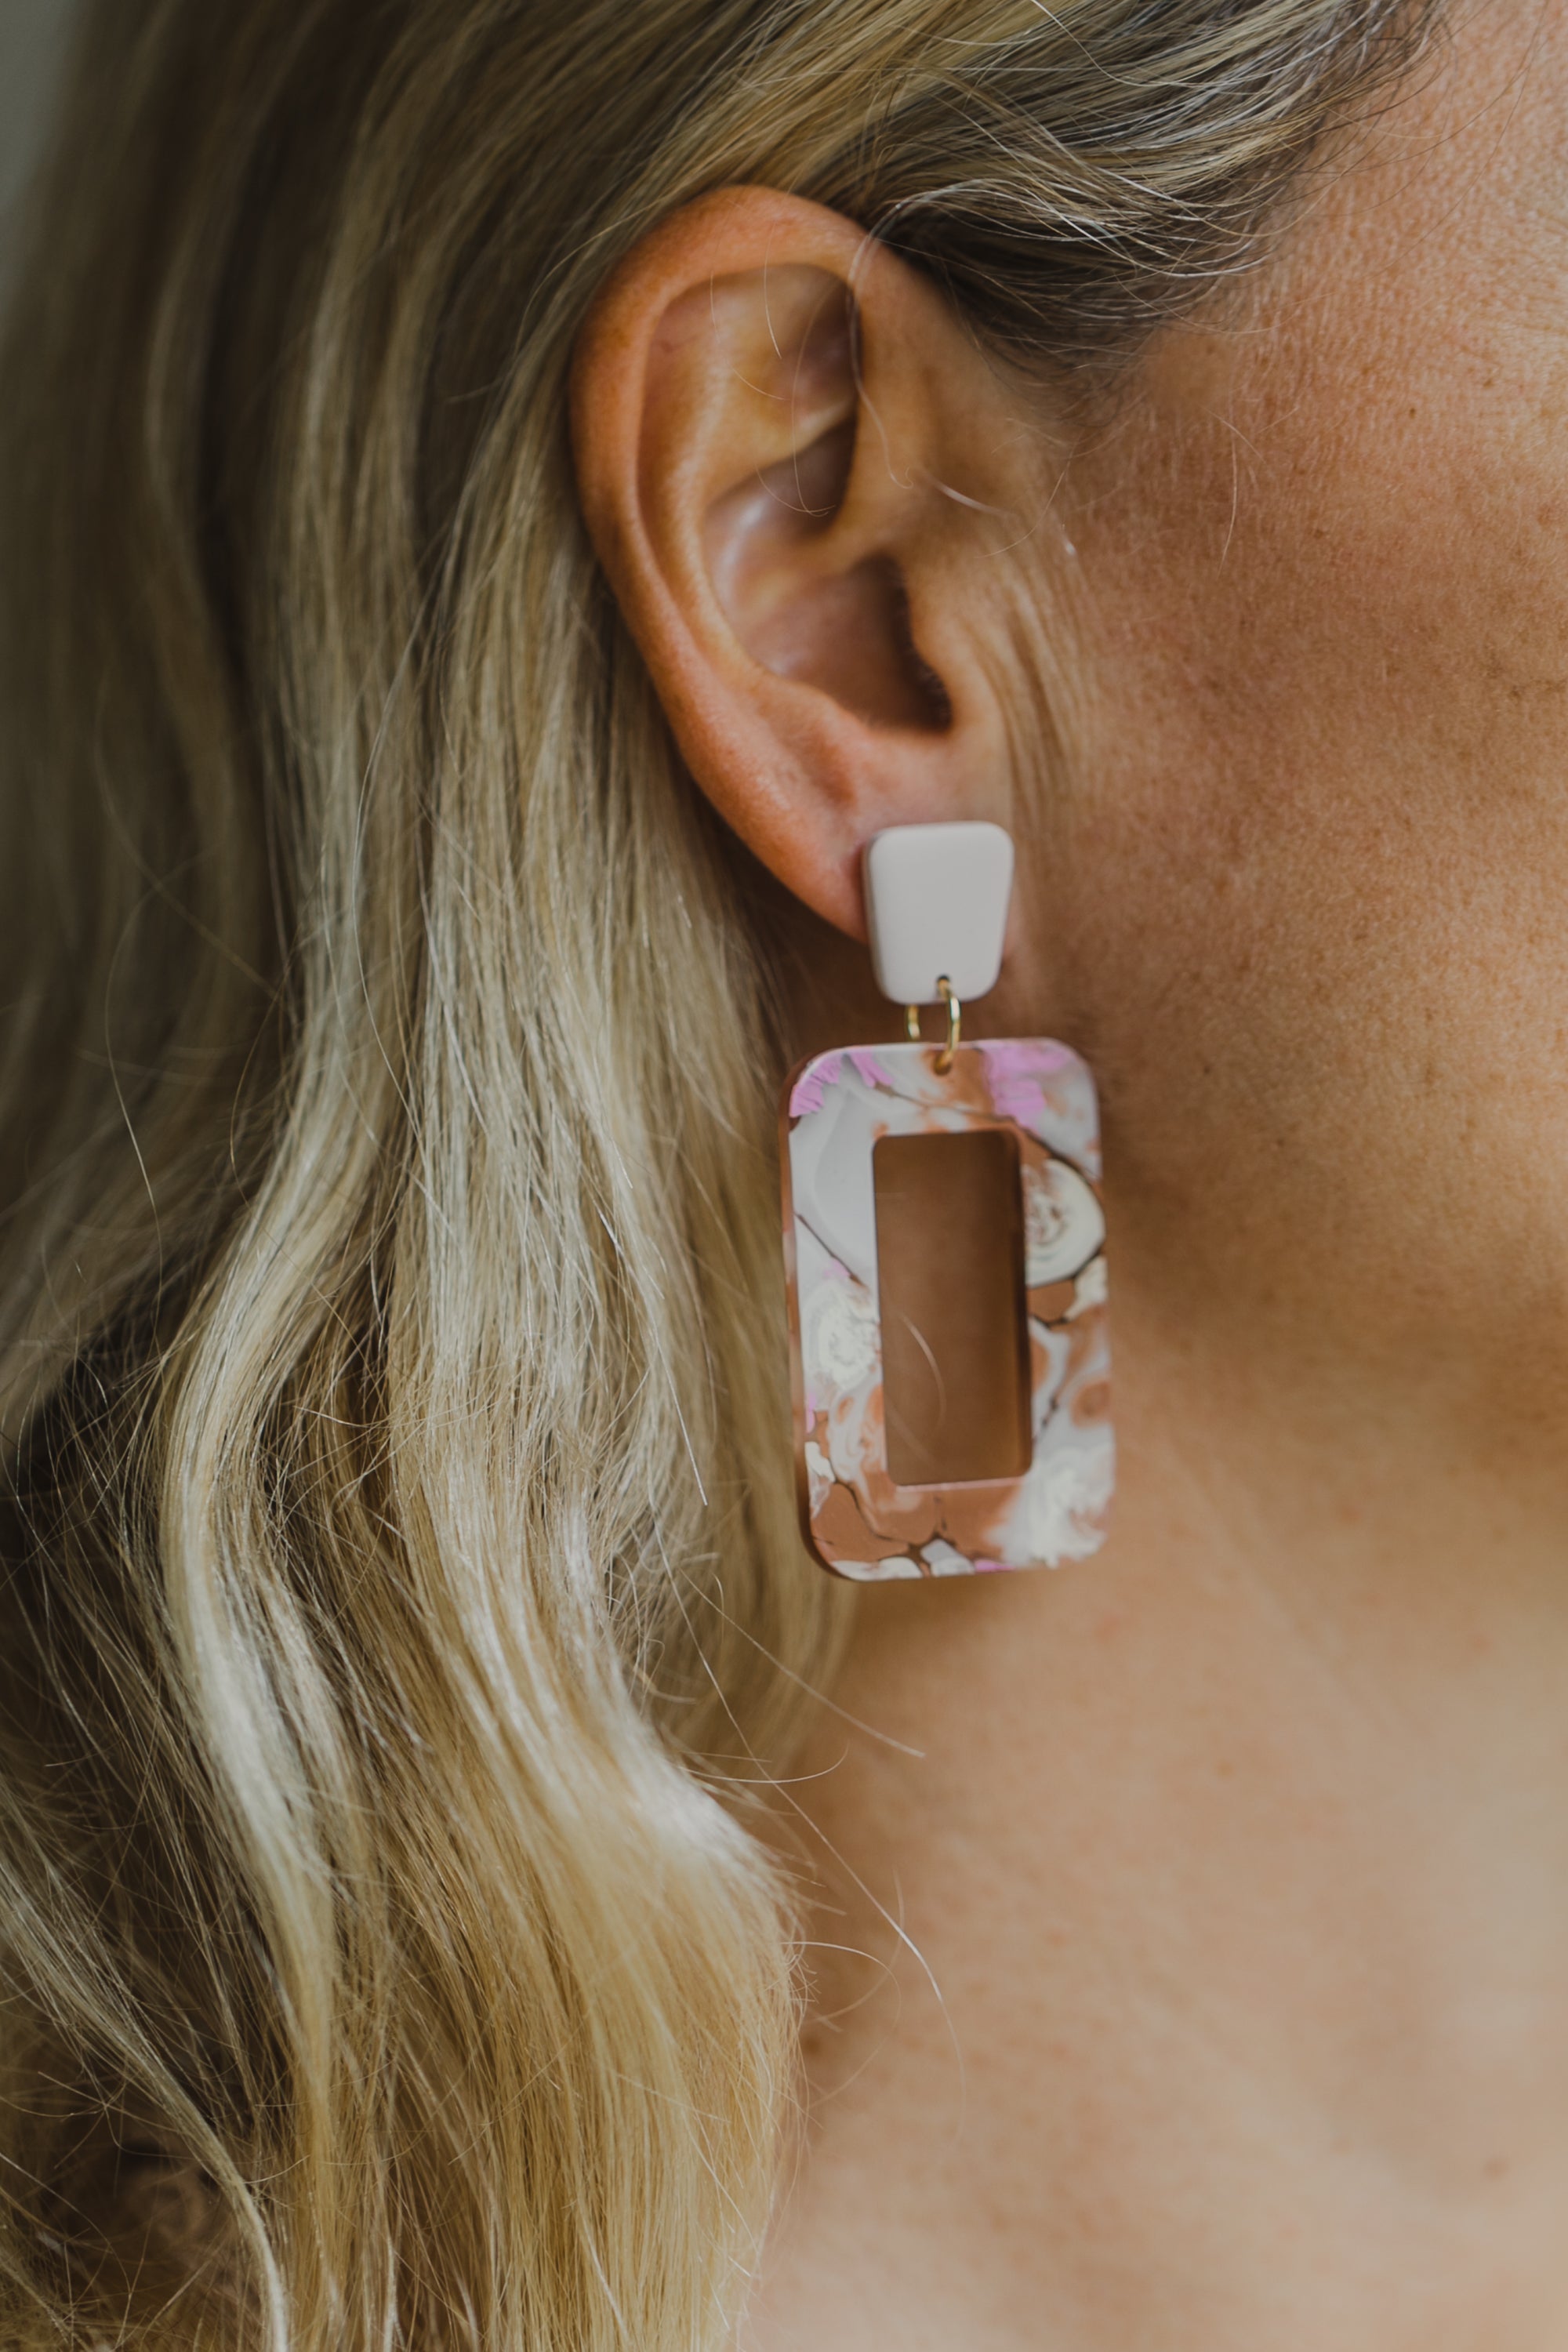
x=401, y=1582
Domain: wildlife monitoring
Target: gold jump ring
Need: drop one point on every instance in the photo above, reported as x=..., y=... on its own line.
x=955, y=1025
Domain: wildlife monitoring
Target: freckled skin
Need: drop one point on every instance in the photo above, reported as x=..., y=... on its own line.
x=1196, y=1986
x=1190, y=1926
x=1304, y=896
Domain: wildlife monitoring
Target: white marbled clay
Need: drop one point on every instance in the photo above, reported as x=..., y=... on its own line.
x=937, y=900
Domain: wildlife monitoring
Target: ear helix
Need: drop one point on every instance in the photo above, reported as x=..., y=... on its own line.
x=951, y=1402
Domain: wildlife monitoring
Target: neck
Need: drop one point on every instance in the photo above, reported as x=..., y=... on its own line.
x=1192, y=1922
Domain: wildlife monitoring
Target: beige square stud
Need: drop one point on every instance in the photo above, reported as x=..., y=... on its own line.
x=936, y=906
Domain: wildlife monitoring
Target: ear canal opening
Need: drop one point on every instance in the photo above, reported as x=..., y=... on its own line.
x=849, y=632
x=927, y=688
x=845, y=627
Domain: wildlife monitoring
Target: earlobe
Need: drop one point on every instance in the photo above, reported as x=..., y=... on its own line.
x=761, y=404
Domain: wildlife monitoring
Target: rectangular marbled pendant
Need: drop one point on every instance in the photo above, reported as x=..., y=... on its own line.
x=1042, y=1430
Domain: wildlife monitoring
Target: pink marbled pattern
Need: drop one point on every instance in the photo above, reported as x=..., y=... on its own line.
x=857, y=1521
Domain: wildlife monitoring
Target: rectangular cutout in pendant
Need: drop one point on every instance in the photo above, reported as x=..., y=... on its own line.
x=950, y=1276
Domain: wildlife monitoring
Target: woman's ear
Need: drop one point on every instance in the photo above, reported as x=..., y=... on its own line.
x=798, y=470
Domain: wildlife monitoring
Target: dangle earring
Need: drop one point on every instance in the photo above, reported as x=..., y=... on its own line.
x=951, y=1393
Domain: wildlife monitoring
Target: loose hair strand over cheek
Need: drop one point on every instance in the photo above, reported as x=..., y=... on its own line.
x=400, y=1578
